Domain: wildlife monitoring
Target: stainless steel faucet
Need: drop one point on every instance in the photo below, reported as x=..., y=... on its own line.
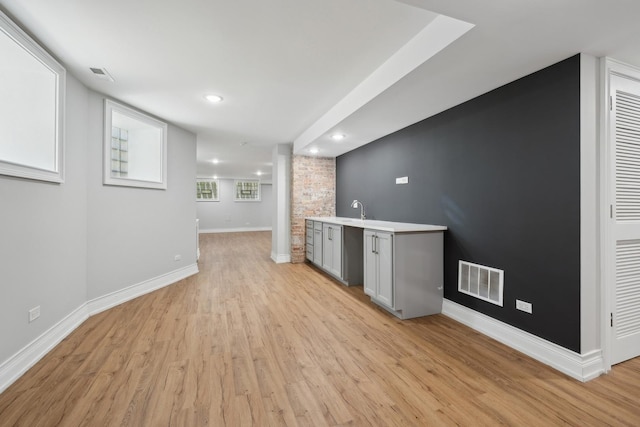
x=355, y=204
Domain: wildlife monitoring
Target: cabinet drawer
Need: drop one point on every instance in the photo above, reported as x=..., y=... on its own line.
x=310, y=253
x=309, y=224
x=317, y=225
x=309, y=236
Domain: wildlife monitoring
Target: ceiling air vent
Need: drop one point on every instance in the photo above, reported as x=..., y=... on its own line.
x=482, y=282
x=101, y=73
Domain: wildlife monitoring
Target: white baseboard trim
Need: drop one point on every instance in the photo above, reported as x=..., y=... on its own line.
x=234, y=230
x=280, y=258
x=582, y=367
x=14, y=367
x=120, y=296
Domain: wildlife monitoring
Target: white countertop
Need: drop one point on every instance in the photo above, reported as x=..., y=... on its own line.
x=393, y=227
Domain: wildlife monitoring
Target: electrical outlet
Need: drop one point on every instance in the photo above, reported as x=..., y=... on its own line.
x=527, y=307
x=34, y=313
x=177, y=258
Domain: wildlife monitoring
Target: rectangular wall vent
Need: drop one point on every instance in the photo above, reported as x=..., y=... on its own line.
x=482, y=282
x=101, y=73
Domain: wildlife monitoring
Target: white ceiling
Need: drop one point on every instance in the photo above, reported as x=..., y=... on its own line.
x=298, y=70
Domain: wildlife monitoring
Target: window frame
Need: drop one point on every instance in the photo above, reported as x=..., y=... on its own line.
x=217, y=183
x=10, y=167
x=258, y=195
x=111, y=106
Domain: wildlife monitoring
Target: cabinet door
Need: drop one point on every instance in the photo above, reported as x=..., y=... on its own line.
x=336, y=250
x=327, y=247
x=384, y=250
x=309, y=240
x=332, y=249
x=309, y=232
x=370, y=263
x=317, y=246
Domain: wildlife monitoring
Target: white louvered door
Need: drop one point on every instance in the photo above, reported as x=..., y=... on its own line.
x=625, y=135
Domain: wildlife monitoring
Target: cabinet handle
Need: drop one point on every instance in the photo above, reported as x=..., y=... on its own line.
x=373, y=244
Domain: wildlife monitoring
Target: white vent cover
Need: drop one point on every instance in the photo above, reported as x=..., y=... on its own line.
x=482, y=282
x=101, y=73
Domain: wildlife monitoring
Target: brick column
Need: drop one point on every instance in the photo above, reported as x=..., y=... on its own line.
x=313, y=193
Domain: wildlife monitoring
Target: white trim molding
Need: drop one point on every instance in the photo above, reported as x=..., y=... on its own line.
x=280, y=258
x=14, y=367
x=582, y=367
x=234, y=230
x=108, y=301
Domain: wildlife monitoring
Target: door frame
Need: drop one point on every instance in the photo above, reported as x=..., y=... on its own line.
x=608, y=67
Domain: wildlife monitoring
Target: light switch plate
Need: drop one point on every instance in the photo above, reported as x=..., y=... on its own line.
x=527, y=307
x=402, y=180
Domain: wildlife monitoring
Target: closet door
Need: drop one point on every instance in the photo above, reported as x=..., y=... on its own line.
x=625, y=217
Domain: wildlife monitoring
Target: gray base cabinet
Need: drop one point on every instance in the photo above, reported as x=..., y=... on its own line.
x=378, y=266
x=399, y=264
x=403, y=272
x=335, y=249
x=314, y=242
x=309, y=240
x=317, y=243
x=332, y=249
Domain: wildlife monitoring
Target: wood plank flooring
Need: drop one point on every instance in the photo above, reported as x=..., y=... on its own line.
x=250, y=343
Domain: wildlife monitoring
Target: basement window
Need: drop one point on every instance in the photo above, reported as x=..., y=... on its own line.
x=32, y=88
x=247, y=190
x=207, y=190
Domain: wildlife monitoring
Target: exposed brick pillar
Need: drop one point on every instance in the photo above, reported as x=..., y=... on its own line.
x=313, y=193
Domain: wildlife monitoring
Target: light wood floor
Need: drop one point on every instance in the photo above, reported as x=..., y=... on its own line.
x=249, y=342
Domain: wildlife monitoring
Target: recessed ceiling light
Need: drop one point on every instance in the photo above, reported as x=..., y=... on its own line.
x=313, y=150
x=259, y=173
x=215, y=161
x=338, y=136
x=213, y=98
x=215, y=176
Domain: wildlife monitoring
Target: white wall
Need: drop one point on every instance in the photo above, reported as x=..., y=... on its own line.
x=79, y=247
x=135, y=233
x=43, y=239
x=227, y=215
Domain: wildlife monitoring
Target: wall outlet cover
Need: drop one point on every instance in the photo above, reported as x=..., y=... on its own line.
x=34, y=313
x=527, y=307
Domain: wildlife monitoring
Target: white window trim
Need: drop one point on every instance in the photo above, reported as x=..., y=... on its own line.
x=56, y=172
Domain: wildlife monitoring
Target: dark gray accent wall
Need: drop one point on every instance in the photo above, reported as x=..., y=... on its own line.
x=502, y=171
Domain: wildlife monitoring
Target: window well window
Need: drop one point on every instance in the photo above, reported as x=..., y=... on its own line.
x=247, y=190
